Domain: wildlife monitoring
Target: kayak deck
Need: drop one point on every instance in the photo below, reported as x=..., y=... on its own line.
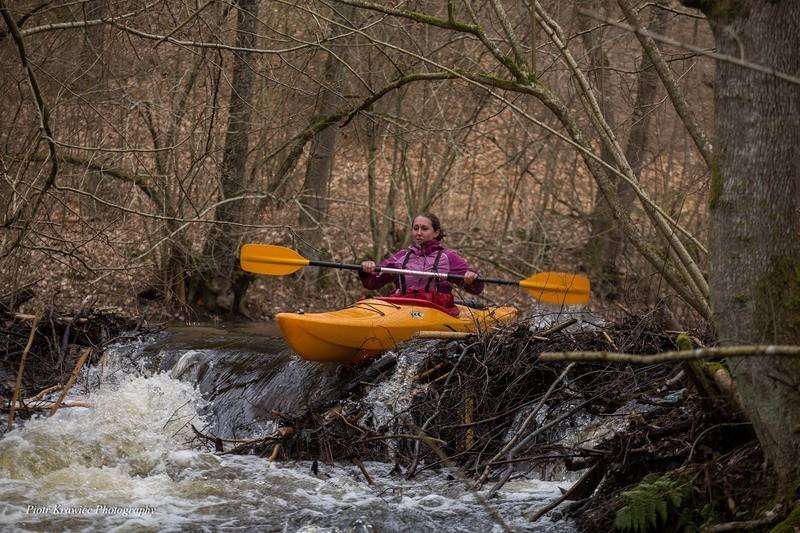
x=371, y=326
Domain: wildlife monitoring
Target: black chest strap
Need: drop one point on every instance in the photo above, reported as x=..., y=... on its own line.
x=434, y=269
x=402, y=278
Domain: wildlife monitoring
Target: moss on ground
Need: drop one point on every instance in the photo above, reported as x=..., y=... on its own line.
x=790, y=524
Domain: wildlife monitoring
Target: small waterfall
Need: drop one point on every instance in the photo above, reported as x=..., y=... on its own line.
x=131, y=459
x=389, y=399
x=247, y=374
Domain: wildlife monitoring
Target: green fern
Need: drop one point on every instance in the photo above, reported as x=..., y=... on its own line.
x=648, y=504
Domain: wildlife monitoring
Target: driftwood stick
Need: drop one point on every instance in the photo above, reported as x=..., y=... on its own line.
x=42, y=393
x=360, y=466
x=18, y=384
x=428, y=372
x=60, y=320
x=213, y=438
x=72, y=378
x=275, y=451
x=557, y=328
x=500, y=482
x=681, y=355
x=44, y=405
x=443, y=335
x=424, y=438
x=591, y=478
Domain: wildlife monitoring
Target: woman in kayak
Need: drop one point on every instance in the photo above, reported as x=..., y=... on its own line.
x=425, y=254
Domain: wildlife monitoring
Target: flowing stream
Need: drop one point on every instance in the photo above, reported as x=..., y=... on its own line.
x=130, y=462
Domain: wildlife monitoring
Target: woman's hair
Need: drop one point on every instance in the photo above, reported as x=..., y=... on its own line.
x=436, y=224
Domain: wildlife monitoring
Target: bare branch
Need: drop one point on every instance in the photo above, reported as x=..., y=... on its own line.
x=683, y=355
x=670, y=83
x=44, y=124
x=82, y=23
x=696, y=49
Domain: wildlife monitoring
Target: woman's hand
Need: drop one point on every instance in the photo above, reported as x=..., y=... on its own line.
x=469, y=277
x=368, y=266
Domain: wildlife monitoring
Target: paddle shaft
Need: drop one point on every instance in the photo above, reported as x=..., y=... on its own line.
x=549, y=287
x=386, y=270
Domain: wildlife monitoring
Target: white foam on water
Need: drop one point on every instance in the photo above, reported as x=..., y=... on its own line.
x=114, y=454
x=540, y=316
x=394, y=395
x=188, y=361
x=132, y=453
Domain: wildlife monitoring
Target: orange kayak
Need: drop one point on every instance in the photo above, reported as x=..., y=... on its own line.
x=375, y=325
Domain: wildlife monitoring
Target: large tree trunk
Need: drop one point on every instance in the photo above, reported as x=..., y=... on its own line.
x=606, y=241
x=601, y=221
x=755, y=215
x=638, y=139
x=314, y=201
x=223, y=284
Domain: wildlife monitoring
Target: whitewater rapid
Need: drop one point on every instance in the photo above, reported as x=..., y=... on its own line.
x=131, y=462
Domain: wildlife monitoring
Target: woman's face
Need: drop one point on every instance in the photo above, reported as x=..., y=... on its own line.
x=422, y=230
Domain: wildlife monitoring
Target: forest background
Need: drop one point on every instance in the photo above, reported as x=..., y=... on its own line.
x=142, y=143
x=157, y=118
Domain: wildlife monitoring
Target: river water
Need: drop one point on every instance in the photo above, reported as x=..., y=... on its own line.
x=131, y=461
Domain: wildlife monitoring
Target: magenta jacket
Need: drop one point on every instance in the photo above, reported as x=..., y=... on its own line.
x=430, y=257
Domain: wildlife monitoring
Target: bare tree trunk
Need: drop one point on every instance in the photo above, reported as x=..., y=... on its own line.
x=596, y=258
x=223, y=284
x=373, y=137
x=314, y=198
x=755, y=216
x=641, y=120
x=390, y=235
x=379, y=228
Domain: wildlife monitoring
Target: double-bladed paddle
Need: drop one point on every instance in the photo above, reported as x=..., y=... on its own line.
x=549, y=287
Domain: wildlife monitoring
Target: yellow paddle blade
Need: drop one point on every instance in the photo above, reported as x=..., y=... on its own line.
x=557, y=288
x=270, y=259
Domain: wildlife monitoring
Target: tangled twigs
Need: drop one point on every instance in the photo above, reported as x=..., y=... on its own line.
x=244, y=445
x=412, y=470
x=514, y=443
x=51, y=352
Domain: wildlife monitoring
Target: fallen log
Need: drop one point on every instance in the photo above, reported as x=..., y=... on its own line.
x=581, y=489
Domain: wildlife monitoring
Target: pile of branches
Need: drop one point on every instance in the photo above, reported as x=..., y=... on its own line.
x=42, y=353
x=467, y=394
x=498, y=384
x=489, y=407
